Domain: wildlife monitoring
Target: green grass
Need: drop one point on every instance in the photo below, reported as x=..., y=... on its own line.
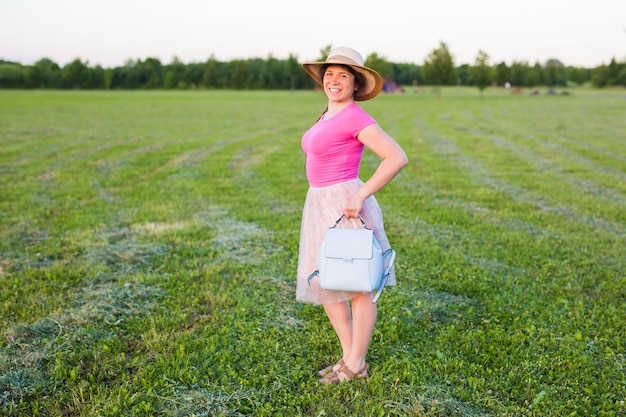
x=149, y=244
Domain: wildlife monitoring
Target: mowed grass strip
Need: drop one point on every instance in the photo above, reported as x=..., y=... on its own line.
x=149, y=248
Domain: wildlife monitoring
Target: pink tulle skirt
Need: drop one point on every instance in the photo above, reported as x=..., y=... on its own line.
x=322, y=208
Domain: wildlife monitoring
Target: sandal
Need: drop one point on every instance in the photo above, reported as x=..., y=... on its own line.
x=331, y=368
x=334, y=378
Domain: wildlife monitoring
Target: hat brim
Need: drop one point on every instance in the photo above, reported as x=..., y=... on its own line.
x=373, y=80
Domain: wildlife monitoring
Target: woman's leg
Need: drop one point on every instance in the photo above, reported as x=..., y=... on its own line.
x=354, y=330
x=364, y=315
x=341, y=320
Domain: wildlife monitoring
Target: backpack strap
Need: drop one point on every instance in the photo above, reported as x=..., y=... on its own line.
x=392, y=256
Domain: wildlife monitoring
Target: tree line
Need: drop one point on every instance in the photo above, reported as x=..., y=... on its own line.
x=438, y=69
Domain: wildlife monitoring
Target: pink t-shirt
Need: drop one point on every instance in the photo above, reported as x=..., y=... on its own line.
x=333, y=153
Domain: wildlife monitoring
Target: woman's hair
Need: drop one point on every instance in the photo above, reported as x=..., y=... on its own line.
x=359, y=80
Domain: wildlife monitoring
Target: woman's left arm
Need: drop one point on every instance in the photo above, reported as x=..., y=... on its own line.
x=393, y=159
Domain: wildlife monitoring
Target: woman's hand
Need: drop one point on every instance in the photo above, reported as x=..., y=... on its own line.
x=392, y=156
x=354, y=206
x=393, y=160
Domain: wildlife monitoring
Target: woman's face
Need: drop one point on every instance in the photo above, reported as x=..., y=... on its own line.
x=338, y=83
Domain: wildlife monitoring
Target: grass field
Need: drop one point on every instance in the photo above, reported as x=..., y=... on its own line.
x=149, y=244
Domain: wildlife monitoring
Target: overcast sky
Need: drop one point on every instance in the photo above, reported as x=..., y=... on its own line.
x=579, y=33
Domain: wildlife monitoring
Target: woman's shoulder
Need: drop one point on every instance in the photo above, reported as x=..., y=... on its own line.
x=357, y=112
x=353, y=109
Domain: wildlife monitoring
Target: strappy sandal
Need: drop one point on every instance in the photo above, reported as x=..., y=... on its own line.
x=334, y=378
x=331, y=368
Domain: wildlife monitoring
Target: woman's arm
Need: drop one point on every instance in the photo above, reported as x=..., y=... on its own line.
x=393, y=159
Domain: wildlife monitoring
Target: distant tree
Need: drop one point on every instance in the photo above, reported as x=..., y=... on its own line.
x=534, y=76
x=125, y=77
x=502, y=73
x=44, y=74
x=294, y=69
x=607, y=75
x=94, y=78
x=173, y=74
x=272, y=74
x=379, y=64
x=108, y=78
x=578, y=76
x=463, y=75
x=135, y=78
x=33, y=77
x=621, y=76
x=170, y=80
x=519, y=73
x=616, y=72
x=554, y=73
x=439, y=68
x=613, y=70
x=210, y=75
x=11, y=75
x=192, y=74
x=257, y=74
x=600, y=76
x=240, y=73
x=152, y=73
x=224, y=75
x=74, y=74
x=406, y=74
x=118, y=78
x=481, y=73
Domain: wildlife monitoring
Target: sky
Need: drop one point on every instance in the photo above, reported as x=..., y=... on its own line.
x=109, y=33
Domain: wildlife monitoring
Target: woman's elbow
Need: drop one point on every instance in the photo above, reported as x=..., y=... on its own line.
x=403, y=160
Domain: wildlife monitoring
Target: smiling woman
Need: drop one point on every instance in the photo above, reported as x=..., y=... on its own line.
x=334, y=147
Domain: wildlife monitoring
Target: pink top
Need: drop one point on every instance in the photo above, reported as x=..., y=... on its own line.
x=333, y=153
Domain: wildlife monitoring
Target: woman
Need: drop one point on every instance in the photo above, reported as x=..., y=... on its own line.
x=333, y=148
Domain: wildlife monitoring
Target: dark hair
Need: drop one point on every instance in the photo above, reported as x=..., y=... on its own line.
x=359, y=80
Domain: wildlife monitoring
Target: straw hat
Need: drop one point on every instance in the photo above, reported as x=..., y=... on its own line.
x=351, y=58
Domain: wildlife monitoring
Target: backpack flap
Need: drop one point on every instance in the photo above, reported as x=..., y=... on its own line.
x=349, y=244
